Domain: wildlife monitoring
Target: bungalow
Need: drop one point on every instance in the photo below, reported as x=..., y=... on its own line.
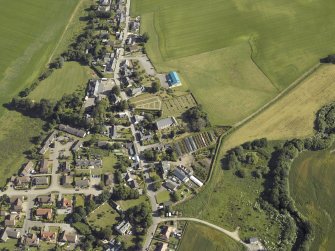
x=68, y=237
x=85, y=163
x=82, y=183
x=51, y=138
x=45, y=213
x=66, y=180
x=44, y=163
x=136, y=91
x=72, y=131
x=10, y=233
x=180, y=175
x=41, y=180
x=27, y=168
x=170, y=186
x=45, y=199
x=77, y=145
x=123, y=227
x=66, y=203
x=32, y=240
x=16, y=203
x=22, y=182
x=10, y=222
x=48, y=236
x=165, y=123
x=165, y=168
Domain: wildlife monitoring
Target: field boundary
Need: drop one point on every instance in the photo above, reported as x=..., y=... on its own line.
x=65, y=30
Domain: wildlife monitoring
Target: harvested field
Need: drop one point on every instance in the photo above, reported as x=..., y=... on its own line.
x=291, y=116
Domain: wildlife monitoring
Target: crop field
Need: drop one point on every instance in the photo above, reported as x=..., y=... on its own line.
x=236, y=54
x=147, y=102
x=178, y=105
x=293, y=115
x=198, y=237
x=72, y=77
x=27, y=41
x=312, y=187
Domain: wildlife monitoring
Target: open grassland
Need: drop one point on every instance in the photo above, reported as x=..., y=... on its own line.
x=70, y=78
x=198, y=237
x=30, y=31
x=312, y=187
x=222, y=48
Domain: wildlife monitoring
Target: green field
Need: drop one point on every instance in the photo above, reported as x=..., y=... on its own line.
x=235, y=55
x=312, y=187
x=70, y=78
x=198, y=237
x=29, y=34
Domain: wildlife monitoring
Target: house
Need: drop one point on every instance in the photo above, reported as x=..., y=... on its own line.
x=170, y=186
x=82, y=183
x=50, y=139
x=16, y=203
x=45, y=199
x=10, y=222
x=165, y=123
x=44, y=163
x=3, y=213
x=48, y=236
x=133, y=48
x=65, y=167
x=160, y=246
x=180, y=175
x=165, y=168
x=253, y=240
x=165, y=232
x=66, y=180
x=173, y=79
x=108, y=179
x=32, y=240
x=122, y=115
x=72, y=131
x=123, y=227
x=77, y=145
x=136, y=91
x=22, y=182
x=113, y=132
x=66, y=203
x=45, y=213
x=27, y=168
x=68, y=237
x=41, y=180
x=85, y=163
x=10, y=233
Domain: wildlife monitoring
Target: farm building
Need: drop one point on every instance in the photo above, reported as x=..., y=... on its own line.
x=71, y=130
x=165, y=123
x=180, y=175
x=173, y=79
x=196, y=181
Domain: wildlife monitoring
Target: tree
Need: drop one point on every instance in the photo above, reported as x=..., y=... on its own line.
x=155, y=86
x=82, y=228
x=116, y=90
x=240, y=173
x=145, y=37
x=157, y=185
x=175, y=196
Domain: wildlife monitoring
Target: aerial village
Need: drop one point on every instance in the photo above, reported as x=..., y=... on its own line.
x=154, y=145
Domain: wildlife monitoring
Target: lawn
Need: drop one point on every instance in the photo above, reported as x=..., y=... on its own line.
x=312, y=187
x=72, y=77
x=235, y=55
x=126, y=204
x=198, y=237
x=162, y=196
x=104, y=216
x=31, y=31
